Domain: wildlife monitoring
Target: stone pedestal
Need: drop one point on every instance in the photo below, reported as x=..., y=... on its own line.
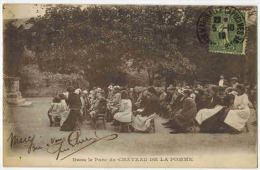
x=11, y=91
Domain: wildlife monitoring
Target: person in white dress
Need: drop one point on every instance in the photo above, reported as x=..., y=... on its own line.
x=239, y=114
x=124, y=113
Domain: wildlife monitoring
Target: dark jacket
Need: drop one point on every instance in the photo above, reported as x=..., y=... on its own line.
x=183, y=118
x=151, y=105
x=74, y=101
x=189, y=109
x=216, y=100
x=177, y=103
x=229, y=100
x=100, y=106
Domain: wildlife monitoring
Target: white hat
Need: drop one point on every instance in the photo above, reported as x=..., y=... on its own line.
x=234, y=93
x=66, y=94
x=181, y=91
x=111, y=87
x=77, y=91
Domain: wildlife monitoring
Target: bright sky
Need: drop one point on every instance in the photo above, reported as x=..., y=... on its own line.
x=20, y=11
x=15, y=11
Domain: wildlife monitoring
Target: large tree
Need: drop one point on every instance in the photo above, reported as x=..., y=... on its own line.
x=98, y=40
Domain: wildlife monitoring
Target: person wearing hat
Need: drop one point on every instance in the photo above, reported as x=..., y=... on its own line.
x=99, y=90
x=78, y=91
x=238, y=115
x=234, y=82
x=181, y=121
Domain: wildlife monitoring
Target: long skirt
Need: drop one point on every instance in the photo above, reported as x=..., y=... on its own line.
x=71, y=121
x=143, y=123
x=237, y=119
x=215, y=122
x=123, y=117
x=64, y=116
x=205, y=114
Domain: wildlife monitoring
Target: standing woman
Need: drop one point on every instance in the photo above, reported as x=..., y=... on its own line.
x=74, y=104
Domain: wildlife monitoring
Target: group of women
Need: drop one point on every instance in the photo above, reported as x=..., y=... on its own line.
x=215, y=109
x=207, y=108
x=117, y=104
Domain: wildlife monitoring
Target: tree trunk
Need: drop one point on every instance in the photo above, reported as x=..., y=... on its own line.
x=150, y=78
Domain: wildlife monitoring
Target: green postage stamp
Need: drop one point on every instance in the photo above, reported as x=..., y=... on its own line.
x=228, y=31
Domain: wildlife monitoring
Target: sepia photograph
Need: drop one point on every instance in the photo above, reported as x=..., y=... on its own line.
x=151, y=86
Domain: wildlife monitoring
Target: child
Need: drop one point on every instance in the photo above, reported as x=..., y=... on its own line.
x=56, y=109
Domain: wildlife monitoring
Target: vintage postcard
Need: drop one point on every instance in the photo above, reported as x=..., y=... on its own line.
x=129, y=86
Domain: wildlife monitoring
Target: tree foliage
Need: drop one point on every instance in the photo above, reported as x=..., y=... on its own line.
x=102, y=42
x=99, y=40
x=13, y=49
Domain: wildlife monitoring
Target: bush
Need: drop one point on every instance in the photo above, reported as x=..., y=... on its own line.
x=34, y=83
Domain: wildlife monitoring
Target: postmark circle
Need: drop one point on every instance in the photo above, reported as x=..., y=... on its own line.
x=204, y=23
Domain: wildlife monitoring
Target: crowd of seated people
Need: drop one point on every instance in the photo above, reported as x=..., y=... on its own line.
x=215, y=109
x=200, y=108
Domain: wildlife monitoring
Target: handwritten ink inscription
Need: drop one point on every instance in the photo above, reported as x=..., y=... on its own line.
x=14, y=140
x=61, y=147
